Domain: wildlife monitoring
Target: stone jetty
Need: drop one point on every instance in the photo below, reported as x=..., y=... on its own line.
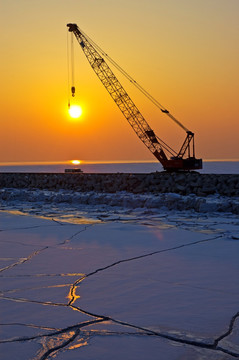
x=157, y=182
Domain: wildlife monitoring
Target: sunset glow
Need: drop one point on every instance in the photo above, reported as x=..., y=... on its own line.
x=188, y=62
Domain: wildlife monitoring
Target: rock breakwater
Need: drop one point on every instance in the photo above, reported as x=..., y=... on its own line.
x=158, y=182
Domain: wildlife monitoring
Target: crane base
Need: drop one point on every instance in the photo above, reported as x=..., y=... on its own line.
x=177, y=164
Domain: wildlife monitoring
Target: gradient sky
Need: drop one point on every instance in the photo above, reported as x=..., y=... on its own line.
x=184, y=52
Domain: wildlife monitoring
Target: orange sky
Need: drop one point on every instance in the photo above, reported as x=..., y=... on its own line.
x=185, y=53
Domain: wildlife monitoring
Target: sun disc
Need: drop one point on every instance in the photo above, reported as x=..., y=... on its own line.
x=75, y=111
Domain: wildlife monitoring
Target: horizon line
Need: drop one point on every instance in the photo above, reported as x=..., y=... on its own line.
x=85, y=162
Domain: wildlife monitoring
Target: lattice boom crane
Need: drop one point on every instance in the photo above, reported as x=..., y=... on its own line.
x=145, y=133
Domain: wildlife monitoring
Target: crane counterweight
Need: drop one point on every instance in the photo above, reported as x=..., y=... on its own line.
x=177, y=161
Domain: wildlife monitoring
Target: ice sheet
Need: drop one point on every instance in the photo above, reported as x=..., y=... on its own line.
x=97, y=283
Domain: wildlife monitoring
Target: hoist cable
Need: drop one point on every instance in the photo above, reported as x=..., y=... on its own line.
x=72, y=61
x=68, y=70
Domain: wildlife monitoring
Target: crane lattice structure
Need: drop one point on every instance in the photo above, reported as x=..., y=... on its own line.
x=132, y=113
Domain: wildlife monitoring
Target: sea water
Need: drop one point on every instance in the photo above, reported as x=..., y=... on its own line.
x=209, y=167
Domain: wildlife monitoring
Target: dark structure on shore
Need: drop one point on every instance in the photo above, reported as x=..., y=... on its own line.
x=158, y=182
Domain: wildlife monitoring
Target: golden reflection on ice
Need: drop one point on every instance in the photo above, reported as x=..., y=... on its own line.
x=14, y=212
x=78, y=344
x=73, y=274
x=49, y=344
x=72, y=297
x=74, y=220
x=69, y=219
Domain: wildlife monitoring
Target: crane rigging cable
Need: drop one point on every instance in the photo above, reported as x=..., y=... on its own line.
x=70, y=66
x=134, y=82
x=166, y=147
x=68, y=71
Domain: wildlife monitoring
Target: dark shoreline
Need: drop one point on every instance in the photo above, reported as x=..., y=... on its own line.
x=157, y=182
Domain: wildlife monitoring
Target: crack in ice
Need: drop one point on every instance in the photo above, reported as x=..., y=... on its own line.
x=72, y=300
x=76, y=329
x=23, y=260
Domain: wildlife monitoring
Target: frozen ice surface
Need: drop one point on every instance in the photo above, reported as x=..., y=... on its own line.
x=93, y=281
x=35, y=200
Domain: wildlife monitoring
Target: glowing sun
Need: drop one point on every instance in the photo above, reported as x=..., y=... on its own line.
x=75, y=111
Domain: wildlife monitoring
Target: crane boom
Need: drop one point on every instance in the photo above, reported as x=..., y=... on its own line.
x=132, y=113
